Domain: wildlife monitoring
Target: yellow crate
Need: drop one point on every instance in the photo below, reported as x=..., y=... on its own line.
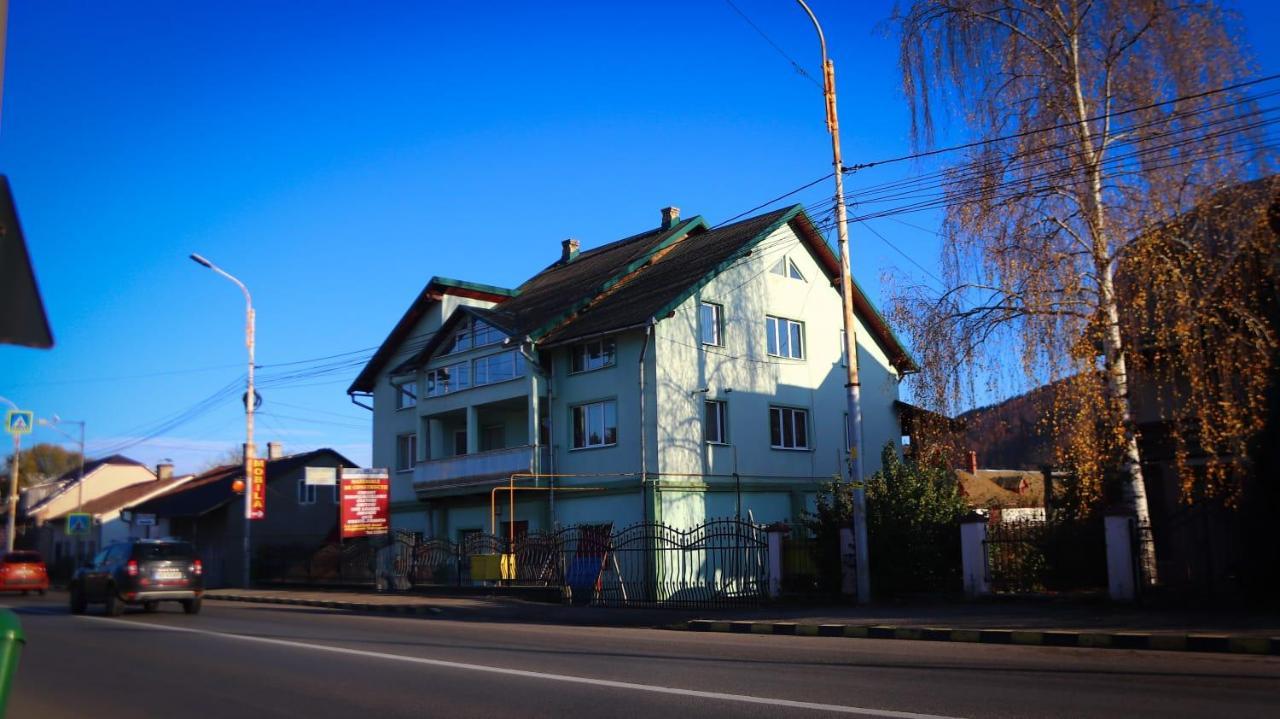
x=493, y=567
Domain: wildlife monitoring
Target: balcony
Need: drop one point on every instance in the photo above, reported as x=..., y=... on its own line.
x=474, y=469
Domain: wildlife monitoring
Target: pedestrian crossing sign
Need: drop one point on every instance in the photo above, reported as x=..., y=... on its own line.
x=78, y=523
x=17, y=421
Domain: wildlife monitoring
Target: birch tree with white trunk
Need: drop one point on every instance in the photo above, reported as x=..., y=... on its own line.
x=1095, y=121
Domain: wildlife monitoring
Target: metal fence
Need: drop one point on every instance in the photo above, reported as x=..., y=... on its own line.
x=1037, y=556
x=720, y=563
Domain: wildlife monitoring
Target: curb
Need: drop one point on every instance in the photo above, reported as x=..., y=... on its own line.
x=417, y=609
x=1218, y=643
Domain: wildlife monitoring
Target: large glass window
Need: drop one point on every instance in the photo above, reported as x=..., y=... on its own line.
x=788, y=428
x=406, y=395
x=443, y=380
x=595, y=424
x=714, y=427
x=406, y=453
x=306, y=492
x=472, y=333
x=711, y=323
x=498, y=368
x=784, y=337
x=593, y=355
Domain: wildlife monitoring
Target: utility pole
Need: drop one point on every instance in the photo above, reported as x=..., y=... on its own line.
x=249, y=402
x=853, y=390
x=11, y=527
x=80, y=481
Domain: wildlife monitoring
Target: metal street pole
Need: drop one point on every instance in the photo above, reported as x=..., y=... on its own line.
x=80, y=481
x=853, y=390
x=248, y=410
x=11, y=527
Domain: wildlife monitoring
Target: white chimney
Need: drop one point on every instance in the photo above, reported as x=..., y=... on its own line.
x=670, y=217
x=275, y=450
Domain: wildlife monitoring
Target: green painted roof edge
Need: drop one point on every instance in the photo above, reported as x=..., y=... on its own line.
x=477, y=286
x=677, y=231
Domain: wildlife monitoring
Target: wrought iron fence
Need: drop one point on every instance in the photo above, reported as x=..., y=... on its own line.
x=721, y=563
x=1034, y=556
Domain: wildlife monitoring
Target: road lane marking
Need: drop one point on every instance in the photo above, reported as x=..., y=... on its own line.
x=544, y=676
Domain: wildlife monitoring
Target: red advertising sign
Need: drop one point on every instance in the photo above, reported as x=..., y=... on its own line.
x=257, y=489
x=366, y=502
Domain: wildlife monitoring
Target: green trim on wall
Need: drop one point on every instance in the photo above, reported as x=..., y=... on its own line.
x=477, y=286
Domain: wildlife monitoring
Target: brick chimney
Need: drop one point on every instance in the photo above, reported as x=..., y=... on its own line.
x=275, y=450
x=670, y=216
x=164, y=470
x=973, y=462
x=568, y=251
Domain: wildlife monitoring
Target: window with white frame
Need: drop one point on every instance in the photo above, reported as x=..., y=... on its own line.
x=406, y=394
x=784, y=337
x=593, y=355
x=443, y=380
x=788, y=428
x=498, y=367
x=786, y=267
x=306, y=492
x=595, y=424
x=406, y=451
x=711, y=323
x=715, y=429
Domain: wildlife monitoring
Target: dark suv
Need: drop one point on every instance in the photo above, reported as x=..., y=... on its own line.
x=139, y=572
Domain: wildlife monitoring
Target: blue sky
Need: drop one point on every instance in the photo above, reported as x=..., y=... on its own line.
x=336, y=155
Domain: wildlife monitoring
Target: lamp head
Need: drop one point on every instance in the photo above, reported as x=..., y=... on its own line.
x=201, y=261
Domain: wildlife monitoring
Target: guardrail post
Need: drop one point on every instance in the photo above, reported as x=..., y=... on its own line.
x=973, y=555
x=776, y=532
x=1121, y=567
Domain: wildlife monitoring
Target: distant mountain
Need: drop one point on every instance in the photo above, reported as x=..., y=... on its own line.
x=1010, y=434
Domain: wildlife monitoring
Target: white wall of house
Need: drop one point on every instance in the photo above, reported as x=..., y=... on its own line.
x=742, y=374
x=103, y=480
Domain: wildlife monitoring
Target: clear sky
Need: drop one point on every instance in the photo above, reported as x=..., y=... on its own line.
x=336, y=155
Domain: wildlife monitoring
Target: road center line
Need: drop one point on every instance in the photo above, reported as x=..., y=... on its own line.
x=544, y=676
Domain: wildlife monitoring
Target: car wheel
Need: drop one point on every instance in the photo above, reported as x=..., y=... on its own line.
x=191, y=606
x=40, y=592
x=151, y=606
x=78, y=603
x=114, y=607
x=24, y=592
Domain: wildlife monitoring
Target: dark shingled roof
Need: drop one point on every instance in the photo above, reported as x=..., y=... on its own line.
x=653, y=288
x=626, y=283
x=211, y=490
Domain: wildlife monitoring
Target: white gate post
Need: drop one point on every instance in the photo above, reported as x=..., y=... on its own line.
x=848, y=563
x=1120, y=565
x=973, y=555
x=776, y=532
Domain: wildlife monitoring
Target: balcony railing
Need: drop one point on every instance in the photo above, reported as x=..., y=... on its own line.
x=476, y=468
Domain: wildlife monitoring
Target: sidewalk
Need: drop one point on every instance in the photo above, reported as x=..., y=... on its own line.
x=994, y=622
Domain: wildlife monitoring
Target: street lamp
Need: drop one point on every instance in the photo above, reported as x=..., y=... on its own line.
x=11, y=529
x=249, y=402
x=853, y=390
x=53, y=425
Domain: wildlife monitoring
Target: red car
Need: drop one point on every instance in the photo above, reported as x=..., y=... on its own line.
x=23, y=571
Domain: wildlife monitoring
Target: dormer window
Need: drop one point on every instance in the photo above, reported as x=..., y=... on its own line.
x=472, y=333
x=786, y=267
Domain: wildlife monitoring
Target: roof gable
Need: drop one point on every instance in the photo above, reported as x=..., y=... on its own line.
x=434, y=290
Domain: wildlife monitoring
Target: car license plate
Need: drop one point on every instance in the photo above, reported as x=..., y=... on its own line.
x=168, y=575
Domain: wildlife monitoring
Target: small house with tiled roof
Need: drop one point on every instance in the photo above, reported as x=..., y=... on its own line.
x=208, y=512
x=683, y=373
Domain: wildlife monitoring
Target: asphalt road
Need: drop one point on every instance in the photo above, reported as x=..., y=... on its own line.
x=249, y=660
